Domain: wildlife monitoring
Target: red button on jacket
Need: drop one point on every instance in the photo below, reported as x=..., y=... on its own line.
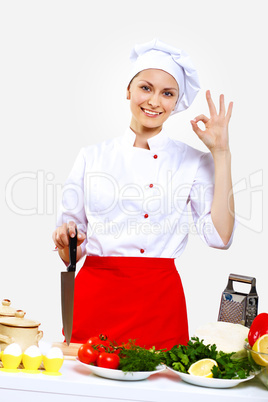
x=141, y=250
x=155, y=156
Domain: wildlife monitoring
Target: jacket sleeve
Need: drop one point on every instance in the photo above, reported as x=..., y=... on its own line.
x=72, y=198
x=201, y=197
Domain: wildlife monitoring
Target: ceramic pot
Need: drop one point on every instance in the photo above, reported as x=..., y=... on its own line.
x=6, y=310
x=20, y=330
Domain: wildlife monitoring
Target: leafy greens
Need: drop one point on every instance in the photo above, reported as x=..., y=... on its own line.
x=181, y=357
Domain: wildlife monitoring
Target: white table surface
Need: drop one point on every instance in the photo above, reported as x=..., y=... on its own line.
x=76, y=383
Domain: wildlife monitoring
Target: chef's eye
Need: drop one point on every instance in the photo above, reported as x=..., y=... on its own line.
x=145, y=88
x=167, y=93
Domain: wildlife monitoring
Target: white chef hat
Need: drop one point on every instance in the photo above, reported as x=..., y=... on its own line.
x=158, y=55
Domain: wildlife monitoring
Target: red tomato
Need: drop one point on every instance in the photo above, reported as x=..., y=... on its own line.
x=86, y=354
x=94, y=340
x=99, y=340
x=258, y=328
x=108, y=360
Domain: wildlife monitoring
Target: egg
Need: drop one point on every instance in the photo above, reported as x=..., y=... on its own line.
x=53, y=360
x=32, y=358
x=13, y=349
x=11, y=356
x=54, y=353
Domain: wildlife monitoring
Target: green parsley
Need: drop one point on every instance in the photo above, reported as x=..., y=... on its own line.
x=181, y=357
x=136, y=358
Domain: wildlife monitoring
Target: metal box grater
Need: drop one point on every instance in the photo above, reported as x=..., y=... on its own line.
x=237, y=307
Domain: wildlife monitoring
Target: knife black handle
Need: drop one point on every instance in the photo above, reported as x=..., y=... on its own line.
x=72, y=252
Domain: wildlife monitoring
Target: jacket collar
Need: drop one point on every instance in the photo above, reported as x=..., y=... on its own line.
x=155, y=143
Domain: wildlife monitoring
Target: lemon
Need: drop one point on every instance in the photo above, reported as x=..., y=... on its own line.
x=261, y=346
x=202, y=368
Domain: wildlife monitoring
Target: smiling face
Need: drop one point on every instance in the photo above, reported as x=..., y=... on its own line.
x=153, y=95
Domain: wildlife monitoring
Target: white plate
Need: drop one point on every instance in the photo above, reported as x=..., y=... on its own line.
x=209, y=382
x=121, y=375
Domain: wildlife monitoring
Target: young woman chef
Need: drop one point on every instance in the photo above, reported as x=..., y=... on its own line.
x=128, y=199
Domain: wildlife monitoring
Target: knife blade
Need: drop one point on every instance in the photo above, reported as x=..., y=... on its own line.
x=67, y=290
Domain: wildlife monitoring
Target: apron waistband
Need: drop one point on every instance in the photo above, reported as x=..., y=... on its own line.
x=129, y=262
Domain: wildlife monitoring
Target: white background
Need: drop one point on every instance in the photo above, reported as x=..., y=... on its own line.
x=62, y=72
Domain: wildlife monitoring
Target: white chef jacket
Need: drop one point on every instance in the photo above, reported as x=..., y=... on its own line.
x=137, y=202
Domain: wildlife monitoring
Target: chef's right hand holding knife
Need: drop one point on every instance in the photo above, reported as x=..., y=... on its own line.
x=61, y=239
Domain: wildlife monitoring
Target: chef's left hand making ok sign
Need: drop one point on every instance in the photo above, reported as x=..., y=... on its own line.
x=215, y=135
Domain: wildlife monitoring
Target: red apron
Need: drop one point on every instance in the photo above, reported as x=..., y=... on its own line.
x=130, y=298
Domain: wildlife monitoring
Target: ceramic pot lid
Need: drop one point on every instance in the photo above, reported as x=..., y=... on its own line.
x=6, y=310
x=19, y=321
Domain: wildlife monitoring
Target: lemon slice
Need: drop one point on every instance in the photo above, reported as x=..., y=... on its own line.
x=202, y=368
x=261, y=346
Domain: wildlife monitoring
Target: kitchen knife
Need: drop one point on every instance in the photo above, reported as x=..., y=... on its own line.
x=67, y=291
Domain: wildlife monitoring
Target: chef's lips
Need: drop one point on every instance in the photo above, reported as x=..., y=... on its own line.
x=67, y=290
